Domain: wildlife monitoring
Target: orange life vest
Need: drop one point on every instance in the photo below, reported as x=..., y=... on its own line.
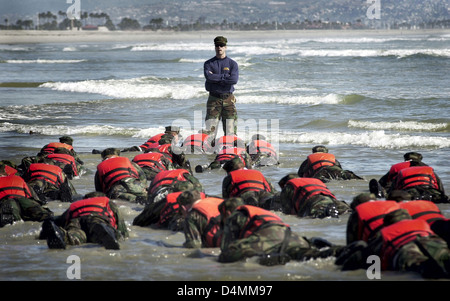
x=416, y=176
x=199, y=141
x=165, y=149
x=208, y=207
x=115, y=169
x=243, y=180
x=10, y=170
x=96, y=205
x=168, y=178
x=261, y=146
x=50, y=148
x=49, y=173
x=398, y=234
x=318, y=160
x=171, y=207
x=229, y=141
x=153, y=142
x=228, y=154
x=393, y=171
x=370, y=217
x=304, y=188
x=66, y=160
x=13, y=186
x=151, y=160
x=420, y=209
x=258, y=218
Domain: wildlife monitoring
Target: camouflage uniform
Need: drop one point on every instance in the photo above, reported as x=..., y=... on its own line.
x=271, y=240
x=327, y=173
x=219, y=163
x=153, y=214
x=221, y=107
x=426, y=255
x=81, y=230
x=19, y=208
x=22, y=208
x=129, y=189
x=191, y=183
x=193, y=224
x=316, y=206
x=251, y=197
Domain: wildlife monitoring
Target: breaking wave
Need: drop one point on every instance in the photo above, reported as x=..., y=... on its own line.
x=130, y=88
x=42, y=61
x=400, y=125
x=373, y=139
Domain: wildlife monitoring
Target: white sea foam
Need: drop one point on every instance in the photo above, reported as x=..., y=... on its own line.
x=399, y=125
x=374, y=139
x=293, y=99
x=69, y=49
x=293, y=50
x=130, y=88
x=68, y=130
x=173, y=46
x=43, y=61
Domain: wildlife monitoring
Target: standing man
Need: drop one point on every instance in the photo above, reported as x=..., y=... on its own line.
x=221, y=74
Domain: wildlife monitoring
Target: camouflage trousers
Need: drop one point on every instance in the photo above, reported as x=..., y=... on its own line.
x=129, y=189
x=318, y=205
x=81, y=230
x=427, y=193
x=326, y=174
x=428, y=256
x=22, y=209
x=221, y=108
x=272, y=239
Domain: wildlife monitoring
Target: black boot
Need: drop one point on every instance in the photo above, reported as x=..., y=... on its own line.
x=376, y=189
x=331, y=211
x=106, y=236
x=55, y=236
x=6, y=213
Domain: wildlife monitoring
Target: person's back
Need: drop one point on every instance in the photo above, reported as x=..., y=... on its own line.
x=252, y=231
x=324, y=166
x=249, y=184
x=367, y=219
x=398, y=235
x=161, y=214
x=113, y=170
x=262, y=153
x=202, y=224
x=168, y=181
x=66, y=162
x=120, y=178
x=197, y=144
x=383, y=185
x=422, y=183
x=152, y=163
x=244, y=180
x=18, y=201
x=310, y=197
x=13, y=186
x=95, y=218
x=49, y=181
x=246, y=223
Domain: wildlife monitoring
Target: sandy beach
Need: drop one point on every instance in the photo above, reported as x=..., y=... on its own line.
x=65, y=36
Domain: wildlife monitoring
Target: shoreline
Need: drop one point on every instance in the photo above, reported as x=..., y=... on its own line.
x=66, y=36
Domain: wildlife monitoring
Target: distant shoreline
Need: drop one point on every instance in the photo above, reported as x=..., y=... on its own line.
x=66, y=36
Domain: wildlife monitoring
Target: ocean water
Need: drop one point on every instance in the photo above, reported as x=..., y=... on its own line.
x=368, y=98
